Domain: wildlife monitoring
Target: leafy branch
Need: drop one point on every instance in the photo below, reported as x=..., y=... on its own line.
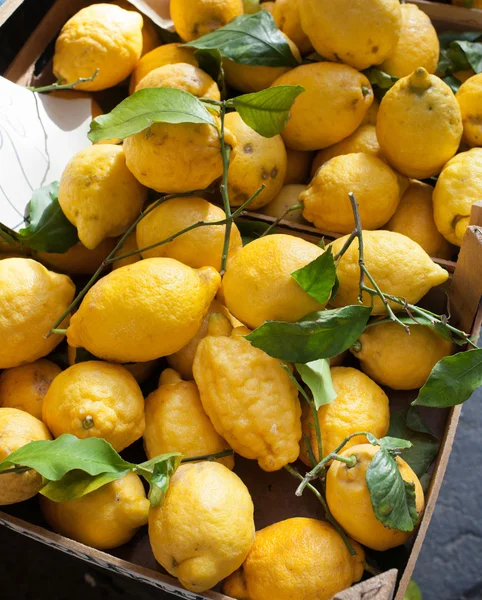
x=63, y=86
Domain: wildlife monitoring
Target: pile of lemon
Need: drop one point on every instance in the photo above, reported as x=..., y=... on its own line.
x=171, y=312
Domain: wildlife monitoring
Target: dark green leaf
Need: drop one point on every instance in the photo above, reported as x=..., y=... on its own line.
x=317, y=376
x=380, y=78
x=268, y=111
x=76, y=484
x=413, y=591
x=441, y=329
x=250, y=40
x=453, y=83
x=148, y=106
x=9, y=236
x=158, y=472
x=252, y=230
x=394, y=444
x=392, y=498
x=452, y=380
x=473, y=54
x=49, y=229
x=447, y=37
x=318, y=277
x=322, y=334
x=209, y=60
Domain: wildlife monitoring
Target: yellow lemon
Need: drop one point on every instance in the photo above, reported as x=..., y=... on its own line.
x=258, y=161
x=414, y=218
x=469, y=98
x=24, y=387
x=130, y=245
x=205, y=528
x=288, y=196
x=458, y=187
x=360, y=405
x=95, y=399
x=349, y=499
x=360, y=33
x=419, y=125
x=182, y=76
x=333, y=105
x=286, y=14
x=418, y=45
x=104, y=519
x=150, y=36
x=31, y=299
x=103, y=37
x=176, y=421
x=201, y=247
x=99, y=195
x=298, y=165
x=249, y=397
x=258, y=286
x=18, y=428
x=298, y=557
x=376, y=187
x=398, y=265
x=78, y=260
x=399, y=360
x=143, y=311
x=195, y=18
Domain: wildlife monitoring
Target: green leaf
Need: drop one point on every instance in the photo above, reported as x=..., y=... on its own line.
x=76, y=484
x=268, y=111
x=250, y=40
x=9, y=236
x=158, y=472
x=447, y=37
x=453, y=83
x=439, y=328
x=380, y=78
x=452, y=380
x=318, y=277
x=392, y=498
x=252, y=230
x=209, y=60
x=148, y=106
x=321, y=334
x=394, y=444
x=54, y=458
x=473, y=53
x=49, y=229
x=317, y=376
x=413, y=591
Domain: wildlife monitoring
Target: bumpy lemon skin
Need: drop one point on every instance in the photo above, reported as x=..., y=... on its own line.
x=414, y=218
x=398, y=264
x=419, y=125
x=418, y=45
x=360, y=405
x=195, y=18
x=205, y=528
x=24, y=387
x=349, y=500
x=31, y=299
x=201, y=247
x=288, y=197
x=104, y=519
x=258, y=161
x=333, y=105
x=314, y=564
x=182, y=76
x=18, y=428
x=469, y=98
x=258, y=286
x=103, y=37
x=286, y=14
x=99, y=195
x=78, y=260
x=458, y=187
x=326, y=202
x=143, y=311
x=359, y=33
x=150, y=36
x=298, y=165
x=230, y=374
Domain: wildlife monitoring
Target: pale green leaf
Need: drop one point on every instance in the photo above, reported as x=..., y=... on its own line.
x=317, y=376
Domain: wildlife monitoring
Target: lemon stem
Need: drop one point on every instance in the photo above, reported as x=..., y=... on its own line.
x=371, y=569
x=63, y=86
x=221, y=454
x=59, y=331
x=278, y=220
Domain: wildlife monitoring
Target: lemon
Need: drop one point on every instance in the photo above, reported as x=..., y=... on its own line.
x=249, y=397
x=360, y=405
x=469, y=98
x=458, y=187
x=268, y=6
x=205, y=528
x=298, y=165
x=398, y=265
x=195, y=18
x=18, y=428
x=182, y=76
x=201, y=247
x=99, y=195
x=24, y=387
x=288, y=196
x=258, y=286
x=414, y=218
x=78, y=260
x=315, y=563
x=360, y=33
x=150, y=37
x=286, y=14
x=104, y=519
x=350, y=504
x=103, y=37
x=333, y=105
x=376, y=187
x=418, y=45
x=143, y=311
x=419, y=125
x=258, y=161
x=31, y=298
x=129, y=246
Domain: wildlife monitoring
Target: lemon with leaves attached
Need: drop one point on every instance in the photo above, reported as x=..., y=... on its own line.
x=286, y=14
x=103, y=37
x=399, y=266
x=78, y=260
x=316, y=563
x=469, y=98
x=199, y=536
x=182, y=76
x=105, y=518
x=18, y=428
x=195, y=18
x=349, y=500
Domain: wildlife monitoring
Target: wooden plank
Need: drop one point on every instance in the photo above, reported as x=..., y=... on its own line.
x=447, y=16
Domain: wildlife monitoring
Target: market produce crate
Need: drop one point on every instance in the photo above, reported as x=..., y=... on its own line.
x=273, y=493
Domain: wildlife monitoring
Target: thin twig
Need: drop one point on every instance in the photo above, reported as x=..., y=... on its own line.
x=278, y=220
x=221, y=454
x=62, y=86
